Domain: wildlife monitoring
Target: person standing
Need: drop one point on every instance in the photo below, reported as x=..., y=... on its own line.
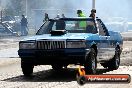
x=93, y=11
x=58, y=16
x=63, y=16
x=46, y=17
x=81, y=24
x=80, y=13
x=24, y=23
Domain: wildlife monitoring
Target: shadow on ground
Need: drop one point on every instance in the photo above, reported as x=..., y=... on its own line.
x=65, y=75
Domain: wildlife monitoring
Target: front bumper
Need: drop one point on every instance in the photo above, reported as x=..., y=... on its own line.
x=53, y=56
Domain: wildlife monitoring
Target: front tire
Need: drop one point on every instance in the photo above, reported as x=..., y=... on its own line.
x=90, y=62
x=27, y=69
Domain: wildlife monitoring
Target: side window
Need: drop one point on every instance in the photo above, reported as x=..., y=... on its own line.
x=101, y=29
x=70, y=25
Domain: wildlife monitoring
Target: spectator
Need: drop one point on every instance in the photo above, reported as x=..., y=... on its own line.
x=58, y=16
x=80, y=13
x=63, y=16
x=93, y=11
x=46, y=18
x=24, y=23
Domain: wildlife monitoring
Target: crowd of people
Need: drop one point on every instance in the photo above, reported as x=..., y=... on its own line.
x=24, y=22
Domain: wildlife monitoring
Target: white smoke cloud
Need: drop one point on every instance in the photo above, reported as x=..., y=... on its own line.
x=105, y=8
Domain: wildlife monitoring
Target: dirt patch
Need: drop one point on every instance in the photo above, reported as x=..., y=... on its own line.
x=8, y=61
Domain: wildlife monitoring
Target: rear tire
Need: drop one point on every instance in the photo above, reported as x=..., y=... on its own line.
x=115, y=62
x=90, y=62
x=105, y=65
x=27, y=69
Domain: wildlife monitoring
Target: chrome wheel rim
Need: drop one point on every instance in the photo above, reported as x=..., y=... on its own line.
x=93, y=63
x=117, y=61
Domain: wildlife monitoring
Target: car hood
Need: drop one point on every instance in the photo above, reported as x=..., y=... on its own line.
x=61, y=37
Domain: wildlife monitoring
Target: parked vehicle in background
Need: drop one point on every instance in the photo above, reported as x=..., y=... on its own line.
x=10, y=25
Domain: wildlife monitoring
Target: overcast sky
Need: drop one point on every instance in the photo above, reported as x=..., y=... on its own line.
x=105, y=8
x=122, y=8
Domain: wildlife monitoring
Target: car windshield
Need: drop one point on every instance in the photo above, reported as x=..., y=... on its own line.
x=71, y=26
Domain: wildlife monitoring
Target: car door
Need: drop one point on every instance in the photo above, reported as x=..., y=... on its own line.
x=112, y=45
x=111, y=41
x=104, y=45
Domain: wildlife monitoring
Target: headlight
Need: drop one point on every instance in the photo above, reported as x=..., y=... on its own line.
x=27, y=45
x=76, y=44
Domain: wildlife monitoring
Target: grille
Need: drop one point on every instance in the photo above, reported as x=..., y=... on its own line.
x=50, y=44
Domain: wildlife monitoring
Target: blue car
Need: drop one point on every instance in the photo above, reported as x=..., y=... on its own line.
x=64, y=41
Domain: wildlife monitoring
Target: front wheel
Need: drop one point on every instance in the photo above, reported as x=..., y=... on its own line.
x=90, y=62
x=27, y=69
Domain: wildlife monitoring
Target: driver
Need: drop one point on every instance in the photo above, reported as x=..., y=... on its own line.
x=60, y=25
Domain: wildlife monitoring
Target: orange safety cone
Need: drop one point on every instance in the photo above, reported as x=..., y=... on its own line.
x=81, y=71
x=81, y=80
